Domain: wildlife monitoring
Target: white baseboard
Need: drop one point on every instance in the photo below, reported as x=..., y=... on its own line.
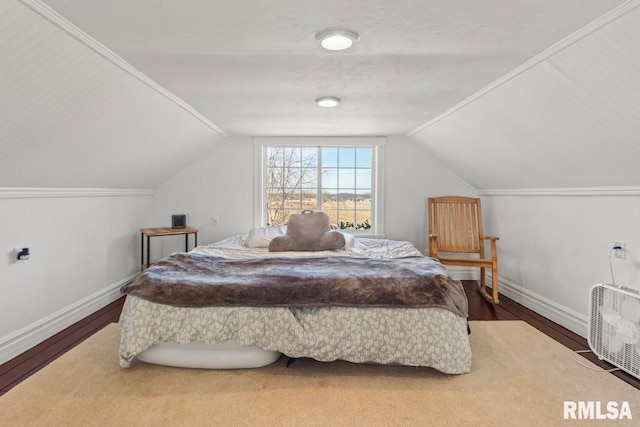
x=553, y=311
x=32, y=335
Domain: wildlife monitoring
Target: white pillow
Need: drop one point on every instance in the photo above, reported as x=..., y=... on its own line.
x=349, y=241
x=261, y=236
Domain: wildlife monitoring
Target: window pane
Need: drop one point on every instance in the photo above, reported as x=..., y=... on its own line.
x=363, y=157
x=295, y=157
x=275, y=156
x=333, y=217
x=309, y=178
x=346, y=219
x=329, y=179
x=363, y=219
x=291, y=177
x=292, y=194
x=309, y=200
x=364, y=194
x=328, y=197
x=363, y=178
x=274, y=177
x=292, y=199
x=363, y=197
x=347, y=157
x=275, y=217
x=329, y=157
x=290, y=212
x=290, y=155
x=274, y=199
x=346, y=178
x=309, y=157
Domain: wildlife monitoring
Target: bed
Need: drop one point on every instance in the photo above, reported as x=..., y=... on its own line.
x=237, y=336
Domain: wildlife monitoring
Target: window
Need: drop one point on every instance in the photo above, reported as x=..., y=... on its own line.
x=338, y=179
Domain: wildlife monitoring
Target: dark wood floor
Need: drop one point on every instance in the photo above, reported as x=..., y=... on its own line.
x=31, y=361
x=508, y=309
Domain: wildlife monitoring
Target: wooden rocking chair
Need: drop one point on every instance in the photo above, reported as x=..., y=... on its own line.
x=455, y=227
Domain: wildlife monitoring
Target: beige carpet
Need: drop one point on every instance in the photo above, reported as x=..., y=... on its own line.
x=519, y=377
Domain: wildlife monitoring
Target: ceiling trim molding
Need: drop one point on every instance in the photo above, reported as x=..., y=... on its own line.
x=35, y=193
x=563, y=192
x=605, y=19
x=49, y=14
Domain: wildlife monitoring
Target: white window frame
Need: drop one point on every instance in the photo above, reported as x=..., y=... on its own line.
x=377, y=191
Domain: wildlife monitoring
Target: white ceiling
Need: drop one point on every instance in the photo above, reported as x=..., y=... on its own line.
x=253, y=67
x=69, y=117
x=567, y=120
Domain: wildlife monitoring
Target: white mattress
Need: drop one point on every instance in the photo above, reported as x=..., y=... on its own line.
x=224, y=355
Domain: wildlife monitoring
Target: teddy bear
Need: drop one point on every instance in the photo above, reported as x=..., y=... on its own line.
x=308, y=231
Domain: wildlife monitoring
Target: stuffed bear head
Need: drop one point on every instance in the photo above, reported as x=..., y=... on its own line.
x=308, y=231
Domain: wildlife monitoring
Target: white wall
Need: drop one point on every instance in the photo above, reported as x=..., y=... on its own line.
x=413, y=175
x=82, y=249
x=553, y=248
x=221, y=183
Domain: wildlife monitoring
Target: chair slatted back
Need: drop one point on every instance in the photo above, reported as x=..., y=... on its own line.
x=457, y=221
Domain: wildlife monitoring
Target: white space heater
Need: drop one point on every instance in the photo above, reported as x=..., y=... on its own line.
x=614, y=326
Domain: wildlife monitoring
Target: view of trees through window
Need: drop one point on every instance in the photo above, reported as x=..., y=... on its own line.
x=334, y=180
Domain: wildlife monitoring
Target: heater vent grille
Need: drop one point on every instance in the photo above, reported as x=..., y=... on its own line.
x=614, y=327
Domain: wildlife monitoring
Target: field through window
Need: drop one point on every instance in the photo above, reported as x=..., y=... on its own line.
x=335, y=180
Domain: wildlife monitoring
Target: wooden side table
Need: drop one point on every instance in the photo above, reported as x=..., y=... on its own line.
x=164, y=231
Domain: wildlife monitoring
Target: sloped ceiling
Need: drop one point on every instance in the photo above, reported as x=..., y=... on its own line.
x=254, y=67
x=567, y=119
x=73, y=115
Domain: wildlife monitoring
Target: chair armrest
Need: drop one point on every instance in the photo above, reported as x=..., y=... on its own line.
x=494, y=250
x=489, y=237
x=433, y=245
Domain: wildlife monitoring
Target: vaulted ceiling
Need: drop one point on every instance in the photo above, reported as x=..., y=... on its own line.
x=567, y=119
x=124, y=94
x=254, y=67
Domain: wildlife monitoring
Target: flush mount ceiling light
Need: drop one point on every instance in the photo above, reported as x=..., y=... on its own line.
x=337, y=39
x=328, y=101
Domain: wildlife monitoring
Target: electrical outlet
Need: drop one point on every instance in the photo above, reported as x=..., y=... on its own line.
x=621, y=250
x=22, y=253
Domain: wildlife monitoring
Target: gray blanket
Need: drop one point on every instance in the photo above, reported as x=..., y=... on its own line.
x=196, y=280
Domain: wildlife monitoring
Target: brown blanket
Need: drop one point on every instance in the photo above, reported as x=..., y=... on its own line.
x=196, y=280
